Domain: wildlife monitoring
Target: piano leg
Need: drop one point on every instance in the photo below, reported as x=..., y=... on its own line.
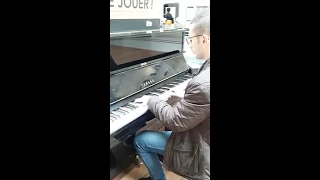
x=113, y=162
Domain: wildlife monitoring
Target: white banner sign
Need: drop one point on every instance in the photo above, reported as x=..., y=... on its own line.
x=135, y=9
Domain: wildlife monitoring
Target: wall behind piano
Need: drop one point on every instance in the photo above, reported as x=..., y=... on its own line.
x=134, y=15
x=183, y=5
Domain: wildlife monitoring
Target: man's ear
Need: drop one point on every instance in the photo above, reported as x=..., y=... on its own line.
x=206, y=38
x=203, y=39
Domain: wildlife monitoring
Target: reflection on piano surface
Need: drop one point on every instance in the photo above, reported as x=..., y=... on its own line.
x=123, y=55
x=146, y=65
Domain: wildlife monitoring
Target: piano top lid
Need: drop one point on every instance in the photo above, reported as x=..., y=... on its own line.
x=146, y=32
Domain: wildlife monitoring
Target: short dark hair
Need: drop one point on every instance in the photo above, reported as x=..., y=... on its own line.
x=168, y=9
x=202, y=23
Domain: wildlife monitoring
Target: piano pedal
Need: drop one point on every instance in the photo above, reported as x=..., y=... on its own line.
x=139, y=159
x=136, y=160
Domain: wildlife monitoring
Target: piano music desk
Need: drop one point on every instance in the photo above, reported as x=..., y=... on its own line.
x=126, y=54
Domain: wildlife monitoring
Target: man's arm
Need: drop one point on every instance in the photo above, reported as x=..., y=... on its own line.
x=185, y=114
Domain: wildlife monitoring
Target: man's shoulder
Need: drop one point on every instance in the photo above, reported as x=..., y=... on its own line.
x=200, y=83
x=202, y=77
x=198, y=89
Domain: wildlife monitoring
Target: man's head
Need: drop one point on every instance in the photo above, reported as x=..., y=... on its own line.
x=199, y=35
x=168, y=10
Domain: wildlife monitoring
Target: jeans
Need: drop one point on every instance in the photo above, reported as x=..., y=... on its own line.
x=148, y=145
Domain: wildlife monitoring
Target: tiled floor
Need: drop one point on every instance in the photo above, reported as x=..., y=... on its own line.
x=136, y=172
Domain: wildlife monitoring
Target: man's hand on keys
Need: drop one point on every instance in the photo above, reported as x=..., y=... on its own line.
x=179, y=93
x=145, y=98
x=176, y=93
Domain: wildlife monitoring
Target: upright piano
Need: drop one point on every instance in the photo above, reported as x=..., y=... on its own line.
x=140, y=64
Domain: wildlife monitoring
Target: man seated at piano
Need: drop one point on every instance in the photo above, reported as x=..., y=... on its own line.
x=186, y=147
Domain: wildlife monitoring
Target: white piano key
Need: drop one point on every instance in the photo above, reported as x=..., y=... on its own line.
x=135, y=105
x=129, y=107
x=125, y=109
x=114, y=116
x=116, y=113
x=124, y=120
x=122, y=111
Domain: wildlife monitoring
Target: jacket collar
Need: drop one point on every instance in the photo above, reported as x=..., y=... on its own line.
x=204, y=66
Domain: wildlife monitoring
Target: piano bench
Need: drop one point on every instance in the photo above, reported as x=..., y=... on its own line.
x=152, y=125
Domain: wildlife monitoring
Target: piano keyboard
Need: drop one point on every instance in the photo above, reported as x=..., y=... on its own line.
x=123, y=115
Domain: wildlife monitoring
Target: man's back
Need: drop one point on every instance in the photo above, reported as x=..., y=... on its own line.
x=187, y=152
x=169, y=17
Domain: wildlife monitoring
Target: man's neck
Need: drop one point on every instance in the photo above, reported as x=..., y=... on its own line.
x=207, y=56
x=206, y=53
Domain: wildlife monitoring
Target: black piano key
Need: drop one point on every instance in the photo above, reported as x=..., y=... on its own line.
x=178, y=80
x=129, y=107
x=164, y=89
x=122, y=111
x=118, y=116
x=170, y=86
x=124, y=108
x=112, y=115
x=112, y=119
x=158, y=91
x=133, y=106
x=119, y=111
